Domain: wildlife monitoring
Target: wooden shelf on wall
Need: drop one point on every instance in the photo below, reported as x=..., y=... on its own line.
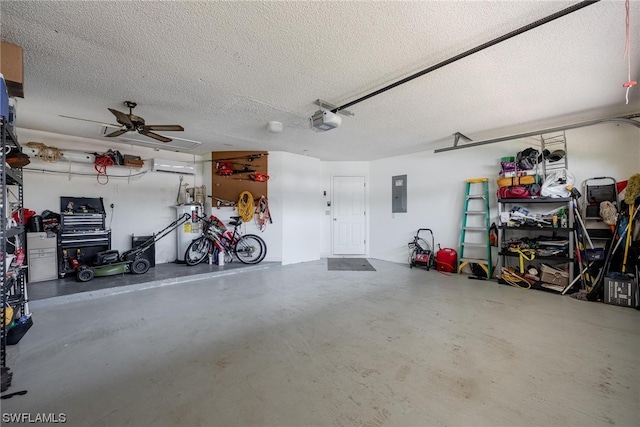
x=229, y=187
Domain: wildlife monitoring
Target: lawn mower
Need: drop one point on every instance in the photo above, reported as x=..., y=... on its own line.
x=421, y=252
x=111, y=263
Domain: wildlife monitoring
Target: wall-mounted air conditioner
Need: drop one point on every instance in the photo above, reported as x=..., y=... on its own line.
x=174, y=166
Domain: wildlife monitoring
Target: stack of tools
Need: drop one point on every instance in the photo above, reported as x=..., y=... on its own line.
x=605, y=272
x=614, y=283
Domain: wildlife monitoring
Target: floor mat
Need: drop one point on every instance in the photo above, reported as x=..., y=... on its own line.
x=349, y=264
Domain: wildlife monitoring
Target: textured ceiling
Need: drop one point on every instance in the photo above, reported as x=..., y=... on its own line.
x=224, y=69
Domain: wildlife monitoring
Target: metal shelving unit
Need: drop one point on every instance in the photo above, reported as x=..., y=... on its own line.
x=503, y=230
x=14, y=293
x=555, y=144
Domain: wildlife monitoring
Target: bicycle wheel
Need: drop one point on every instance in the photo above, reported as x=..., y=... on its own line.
x=197, y=251
x=263, y=244
x=250, y=249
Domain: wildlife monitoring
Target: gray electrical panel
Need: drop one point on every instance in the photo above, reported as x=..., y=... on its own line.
x=399, y=193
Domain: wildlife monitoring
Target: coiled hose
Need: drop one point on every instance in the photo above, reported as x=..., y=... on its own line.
x=100, y=165
x=246, y=208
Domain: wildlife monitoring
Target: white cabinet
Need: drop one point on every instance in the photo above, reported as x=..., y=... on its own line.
x=41, y=257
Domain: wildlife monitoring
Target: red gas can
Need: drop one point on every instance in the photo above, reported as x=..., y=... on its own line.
x=447, y=260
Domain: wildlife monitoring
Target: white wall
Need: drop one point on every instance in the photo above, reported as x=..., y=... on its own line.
x=142, y=204
x=296, y=183
x=301, y=229
x=295, y=204
x=328, y=170
x=436, y=183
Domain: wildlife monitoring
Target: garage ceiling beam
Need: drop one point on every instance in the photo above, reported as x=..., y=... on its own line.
x=623, y=119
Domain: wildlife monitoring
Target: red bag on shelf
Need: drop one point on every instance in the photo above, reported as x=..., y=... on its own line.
x=514, y=192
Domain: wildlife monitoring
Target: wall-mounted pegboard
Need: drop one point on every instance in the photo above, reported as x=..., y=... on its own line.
x=233, y=172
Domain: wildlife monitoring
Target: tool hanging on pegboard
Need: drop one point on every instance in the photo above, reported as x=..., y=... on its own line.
x=262, y=213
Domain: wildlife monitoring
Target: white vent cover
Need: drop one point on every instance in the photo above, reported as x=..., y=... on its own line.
x=134, y=138
x=174, y=166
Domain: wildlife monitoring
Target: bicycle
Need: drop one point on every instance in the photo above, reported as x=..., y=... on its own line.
x=247, y=248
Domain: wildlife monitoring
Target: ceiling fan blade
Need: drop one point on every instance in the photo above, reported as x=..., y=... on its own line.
x=155, y=136
x=121, y=117
x=116, y=133
x=87, y=120
x=163, y=127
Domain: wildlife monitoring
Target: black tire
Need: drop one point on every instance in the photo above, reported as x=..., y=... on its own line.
x=250, y=249
x=197, y=251
x=84, y=274
x=264, y=246
x=140, y=266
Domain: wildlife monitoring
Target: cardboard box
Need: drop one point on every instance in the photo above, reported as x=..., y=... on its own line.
x=622, y=292
x=553, y=275
x=11, y=66
x=133, y=161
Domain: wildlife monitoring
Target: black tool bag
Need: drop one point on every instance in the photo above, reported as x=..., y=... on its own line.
x=116, y=156
x=528, y=159
x=15, y=334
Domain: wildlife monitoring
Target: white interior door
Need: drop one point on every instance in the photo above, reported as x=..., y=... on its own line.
x=348, y=215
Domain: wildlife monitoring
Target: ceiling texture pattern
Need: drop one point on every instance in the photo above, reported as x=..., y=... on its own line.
x=223, y=70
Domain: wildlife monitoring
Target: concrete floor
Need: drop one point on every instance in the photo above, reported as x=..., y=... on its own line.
x=298, y=345
x=69, y=289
